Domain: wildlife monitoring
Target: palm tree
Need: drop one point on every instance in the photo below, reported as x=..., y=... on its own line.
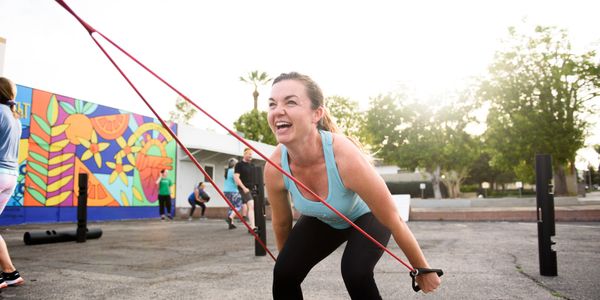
x=255, y=79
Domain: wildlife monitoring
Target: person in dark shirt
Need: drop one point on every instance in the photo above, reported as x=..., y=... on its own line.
x=244, y=178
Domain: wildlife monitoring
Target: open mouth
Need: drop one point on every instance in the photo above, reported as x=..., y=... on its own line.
x=282, y=125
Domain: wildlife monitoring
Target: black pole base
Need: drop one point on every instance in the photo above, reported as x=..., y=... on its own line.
x=53, y=236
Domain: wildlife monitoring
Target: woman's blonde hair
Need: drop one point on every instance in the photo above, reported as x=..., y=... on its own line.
x=8, y=91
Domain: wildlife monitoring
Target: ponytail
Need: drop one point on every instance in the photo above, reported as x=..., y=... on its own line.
x=326, y=123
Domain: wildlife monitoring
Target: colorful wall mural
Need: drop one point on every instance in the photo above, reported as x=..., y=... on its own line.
x=121, y=152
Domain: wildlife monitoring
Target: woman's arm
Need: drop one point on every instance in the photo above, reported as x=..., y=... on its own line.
x=196, y=194
x=360, y=176
x=281, y=210
x=238, y=182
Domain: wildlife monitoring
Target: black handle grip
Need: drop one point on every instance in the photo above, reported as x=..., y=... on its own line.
x=419, y=271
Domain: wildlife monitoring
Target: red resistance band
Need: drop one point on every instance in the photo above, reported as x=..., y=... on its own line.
x=91, y=30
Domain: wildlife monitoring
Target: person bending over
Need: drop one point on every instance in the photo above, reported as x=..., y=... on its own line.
x=198, y=197
x=335, y=168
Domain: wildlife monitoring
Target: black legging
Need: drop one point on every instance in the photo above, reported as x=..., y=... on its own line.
x=193, y=204
x=164, y=201
x=311, y=240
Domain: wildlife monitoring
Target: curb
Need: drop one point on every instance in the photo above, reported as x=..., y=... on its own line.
x=561, y=214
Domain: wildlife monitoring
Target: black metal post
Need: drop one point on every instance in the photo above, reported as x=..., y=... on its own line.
x=545, y=214
x=259, y=212
x=82, y=208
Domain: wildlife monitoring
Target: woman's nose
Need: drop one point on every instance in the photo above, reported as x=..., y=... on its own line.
x=279, y=109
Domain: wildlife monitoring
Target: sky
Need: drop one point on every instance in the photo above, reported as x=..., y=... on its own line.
x=355, y=49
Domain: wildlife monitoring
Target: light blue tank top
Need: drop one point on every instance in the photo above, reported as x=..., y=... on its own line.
x=10, y=133
x=230, y=185
x=344, y=200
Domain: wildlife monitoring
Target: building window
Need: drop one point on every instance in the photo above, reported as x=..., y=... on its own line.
x=210, y=170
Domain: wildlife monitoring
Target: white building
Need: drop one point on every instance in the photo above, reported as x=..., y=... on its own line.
x=211, y=150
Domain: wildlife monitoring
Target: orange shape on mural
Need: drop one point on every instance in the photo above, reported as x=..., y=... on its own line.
x=97, y=194
x=79, y=127
x=112, y=126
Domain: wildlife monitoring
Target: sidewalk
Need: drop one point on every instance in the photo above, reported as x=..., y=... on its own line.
x=204, y=260
x=567, y=209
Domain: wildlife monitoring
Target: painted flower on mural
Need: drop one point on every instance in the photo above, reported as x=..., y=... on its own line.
x=93, y=149
x=119, y=170
x=128, y=149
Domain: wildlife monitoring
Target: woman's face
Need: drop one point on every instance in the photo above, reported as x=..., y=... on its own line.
x=290, y=113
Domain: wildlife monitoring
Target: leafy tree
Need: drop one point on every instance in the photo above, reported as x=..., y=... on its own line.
x=255, y=78
x=254, y=126
x=537, y=89
x=481, y=171
x=183, y=112
x=415, y=135
x=460, y=149
x=346, y=114
x=378, y=130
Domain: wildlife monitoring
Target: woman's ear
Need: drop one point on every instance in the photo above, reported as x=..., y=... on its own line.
x=318, y=114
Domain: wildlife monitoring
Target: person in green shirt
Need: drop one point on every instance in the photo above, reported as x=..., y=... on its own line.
x=165, y=193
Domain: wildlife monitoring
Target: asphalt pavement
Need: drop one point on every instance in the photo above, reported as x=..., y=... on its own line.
x=202, y=259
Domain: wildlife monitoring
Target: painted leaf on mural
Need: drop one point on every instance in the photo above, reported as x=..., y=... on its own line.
x=52, y=113
x=37, y=180
x=89, y=108
x=60, y=169
x=55, y=186
x=124, y=199
x=78, y=106
x=59, y=129
x=52, y=201
x=68, y=108
x=39, y=158
x=61, y=158
x=38, y=168
x=58, y=146
x=41, y=142
x=42, y=123
x=36, y=195
x=137, y=195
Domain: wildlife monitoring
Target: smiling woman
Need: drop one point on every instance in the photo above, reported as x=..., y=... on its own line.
x=334, y=169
